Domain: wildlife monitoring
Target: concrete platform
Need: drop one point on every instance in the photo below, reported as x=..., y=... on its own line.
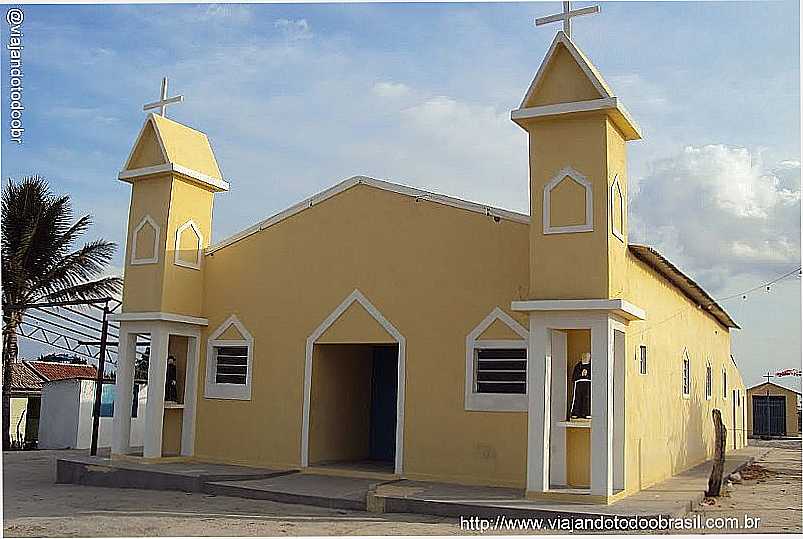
x=184, y=476
x=671, y=498
x=331, y=491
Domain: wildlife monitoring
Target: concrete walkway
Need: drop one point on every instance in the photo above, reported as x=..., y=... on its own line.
x=674, y=497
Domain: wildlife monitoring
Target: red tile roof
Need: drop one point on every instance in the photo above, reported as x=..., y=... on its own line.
x=61, y=371
x=25, y=379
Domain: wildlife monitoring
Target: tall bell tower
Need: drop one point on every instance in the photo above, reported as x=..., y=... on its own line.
x=577, y=132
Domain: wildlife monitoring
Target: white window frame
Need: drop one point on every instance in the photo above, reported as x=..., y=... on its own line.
x=199, y=255
x=136, y=260
x=588, y=225
x=618, y=229
x=493, y=402
x=686, y=375
x=215, y=390
x=643, y=363
x=709, y=381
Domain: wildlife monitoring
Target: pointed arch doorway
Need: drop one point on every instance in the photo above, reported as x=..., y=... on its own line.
x=354, y=375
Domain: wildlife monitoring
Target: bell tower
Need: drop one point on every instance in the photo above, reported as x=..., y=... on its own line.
x=577, y=132
x=173, y=175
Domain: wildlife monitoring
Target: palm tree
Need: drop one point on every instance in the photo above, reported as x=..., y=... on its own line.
x=39, y=263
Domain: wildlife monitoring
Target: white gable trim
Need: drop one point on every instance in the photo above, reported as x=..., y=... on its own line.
x=320, y=330
x=585, y=64
x=183, y=263
x=214, y=390
x=418, y=194
x=200, y=177
x=148, y=120
x=136, y=260
x=484, y=402
x=588, y=226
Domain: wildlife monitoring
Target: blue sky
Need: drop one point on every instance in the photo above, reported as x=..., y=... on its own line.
x=297, y=97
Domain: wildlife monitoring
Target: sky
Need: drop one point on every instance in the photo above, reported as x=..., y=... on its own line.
x=298, y=97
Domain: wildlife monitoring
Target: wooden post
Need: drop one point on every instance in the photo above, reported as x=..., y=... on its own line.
x=721, y=435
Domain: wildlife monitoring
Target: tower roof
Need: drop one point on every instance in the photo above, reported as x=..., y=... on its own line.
x=164, y=145
x=567, y=82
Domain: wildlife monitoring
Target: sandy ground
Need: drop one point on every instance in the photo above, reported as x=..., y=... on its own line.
x=33, y=506
x=773, y=495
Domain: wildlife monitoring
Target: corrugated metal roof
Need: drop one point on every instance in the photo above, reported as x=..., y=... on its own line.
x=690, y=289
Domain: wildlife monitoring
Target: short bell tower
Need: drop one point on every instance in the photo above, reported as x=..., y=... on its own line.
x=173, y=175
x=578, y=177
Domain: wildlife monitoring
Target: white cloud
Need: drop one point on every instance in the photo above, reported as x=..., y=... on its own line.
x=721, y=213
x=294, y=28
x=391, y=89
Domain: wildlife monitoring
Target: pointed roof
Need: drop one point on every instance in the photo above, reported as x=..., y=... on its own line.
x=565, y=68
x=164, y=145
x=567, y=82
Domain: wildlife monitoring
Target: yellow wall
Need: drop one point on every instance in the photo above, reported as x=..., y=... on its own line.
x=563, y=82
x=569, y=266
x=791, y=406
x=665, y=432
x=435, y=272
x=19, y=406
x=340, y=403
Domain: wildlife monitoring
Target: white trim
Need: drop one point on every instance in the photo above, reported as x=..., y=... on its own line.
x=190, y=396
x=320, y=330
x=708, y=381
x=619, y=113
x=487, y=402
x=685, y=391
x=623, y=308
x=344, y=185
x=214, y=390
x=158, y=316
x=585, y=64
x=205, y=179
x=588, y=225
x=616, y=191
x=135, y=261
x=200, y=253
x=148, y=120
x=646, y=359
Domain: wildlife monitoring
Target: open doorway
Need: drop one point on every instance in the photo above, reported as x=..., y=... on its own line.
x=353, y=406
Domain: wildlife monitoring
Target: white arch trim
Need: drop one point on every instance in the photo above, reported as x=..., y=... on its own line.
x=397, y=336
x=487, y=402
x=213, y=390
x=588, y=226
x=198, y=255
x=135, y=259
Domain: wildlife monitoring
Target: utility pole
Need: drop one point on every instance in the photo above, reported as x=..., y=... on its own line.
x=104, y=331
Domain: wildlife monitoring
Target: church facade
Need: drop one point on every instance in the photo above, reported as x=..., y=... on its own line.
x=376, y=328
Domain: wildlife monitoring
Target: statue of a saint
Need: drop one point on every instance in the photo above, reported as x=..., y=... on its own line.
x=171, y=384
x=581, y=382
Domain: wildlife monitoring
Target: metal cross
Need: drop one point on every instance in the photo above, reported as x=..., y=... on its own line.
x=567, y=16
x=164, y=101
x=768, y=376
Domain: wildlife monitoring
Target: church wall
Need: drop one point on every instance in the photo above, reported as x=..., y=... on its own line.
x=433, y=271
x=617, y=248
x=569, y=266
x=666, y=432
x=150, y=196
x=182, y=288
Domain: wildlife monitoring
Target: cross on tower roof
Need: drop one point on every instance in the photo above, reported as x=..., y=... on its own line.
x=163, y=101
x=567, y=16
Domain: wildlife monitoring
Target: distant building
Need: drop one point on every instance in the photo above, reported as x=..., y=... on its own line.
x=66, y=413
x=27, y=378
x=772, y=411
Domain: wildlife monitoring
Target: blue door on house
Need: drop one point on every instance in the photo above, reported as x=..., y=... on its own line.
x=769, y=415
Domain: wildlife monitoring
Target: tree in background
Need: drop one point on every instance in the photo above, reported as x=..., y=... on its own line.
x=39, y=263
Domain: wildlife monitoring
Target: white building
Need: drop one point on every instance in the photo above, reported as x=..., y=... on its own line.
x=66, y=414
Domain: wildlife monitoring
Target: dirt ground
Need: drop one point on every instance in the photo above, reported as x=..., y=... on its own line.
x=771, y=491
x=33, y=506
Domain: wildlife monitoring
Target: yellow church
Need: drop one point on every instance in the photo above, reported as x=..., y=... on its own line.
x=377, y=328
